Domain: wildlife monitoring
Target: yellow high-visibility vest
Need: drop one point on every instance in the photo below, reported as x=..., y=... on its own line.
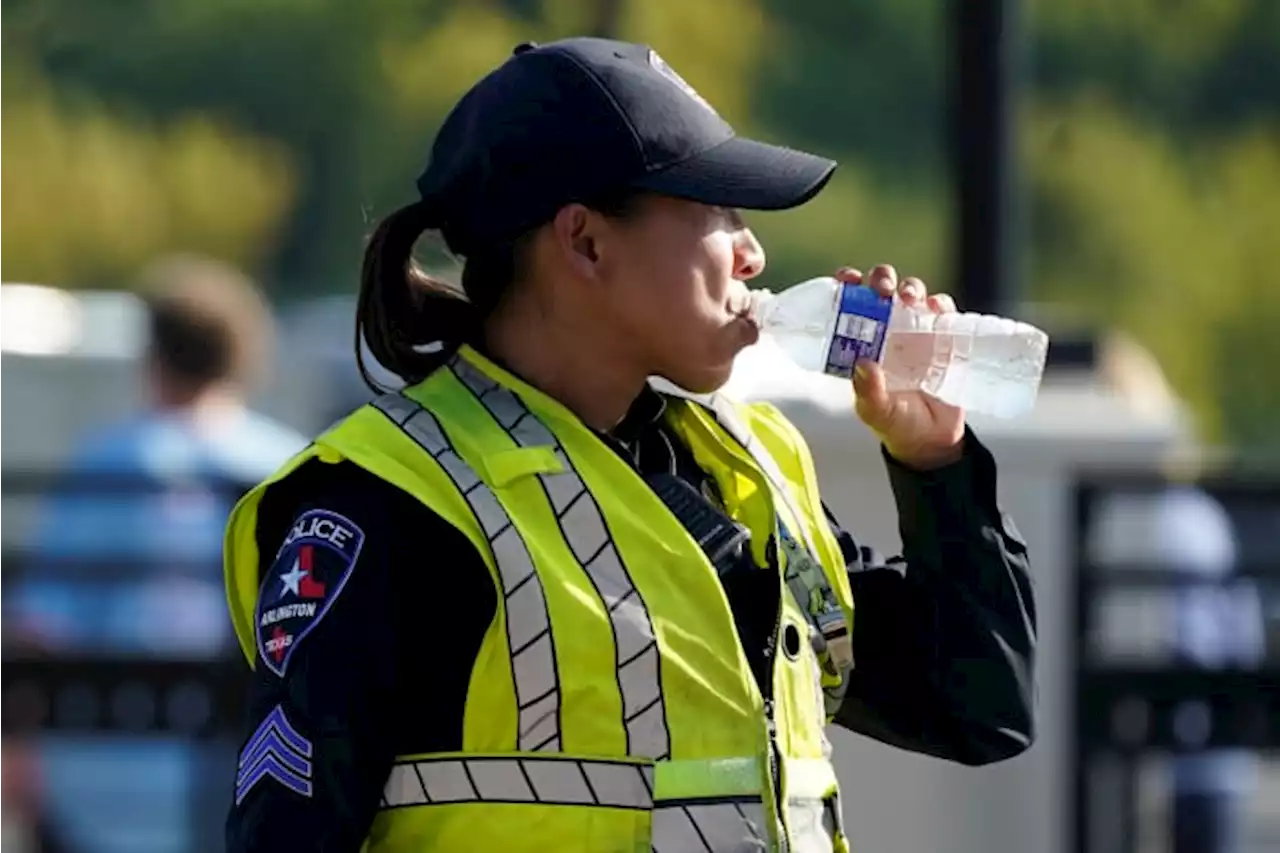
x=611, y=705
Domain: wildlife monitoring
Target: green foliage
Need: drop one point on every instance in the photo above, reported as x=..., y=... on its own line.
x=274, y=131
x=92, y=193
x=1173, y=243
x=860, y=223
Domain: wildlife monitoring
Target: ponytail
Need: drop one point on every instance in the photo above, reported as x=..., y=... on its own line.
x=401, y=309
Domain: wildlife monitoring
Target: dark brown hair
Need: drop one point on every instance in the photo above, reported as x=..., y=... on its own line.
x=401, y=308
x=207, y=321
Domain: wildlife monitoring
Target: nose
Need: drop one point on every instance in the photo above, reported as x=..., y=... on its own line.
x=748, y=255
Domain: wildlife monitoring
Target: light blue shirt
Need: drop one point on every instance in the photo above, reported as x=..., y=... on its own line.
x=131, y=795
x=175, y=604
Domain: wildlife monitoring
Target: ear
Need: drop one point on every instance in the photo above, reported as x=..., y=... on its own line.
x=578, y=233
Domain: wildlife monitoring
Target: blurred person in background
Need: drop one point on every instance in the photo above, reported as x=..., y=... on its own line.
x=531, y=603
x=135, y=569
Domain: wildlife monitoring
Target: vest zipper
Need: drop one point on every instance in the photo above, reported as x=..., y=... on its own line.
x=766, y=689
x=771, y=726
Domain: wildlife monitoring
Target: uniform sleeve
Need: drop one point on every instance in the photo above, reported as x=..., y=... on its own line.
x=944, y=635
x=320, y=728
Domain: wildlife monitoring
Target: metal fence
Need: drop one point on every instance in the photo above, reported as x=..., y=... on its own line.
x=1134, y=706
x=104, y=694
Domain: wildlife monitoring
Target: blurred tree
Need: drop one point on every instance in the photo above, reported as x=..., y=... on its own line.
x=862, y=83
x=91, y=195
x=691, y=37
x=1168, y=244
x=1241, y=84
x=606, y=19
x=1199, y=66
x=279, y=128
x=866, y=79
x=1246, y=206
x=304, y=72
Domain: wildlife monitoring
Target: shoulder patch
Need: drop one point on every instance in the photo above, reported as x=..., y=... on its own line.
x=305, y=579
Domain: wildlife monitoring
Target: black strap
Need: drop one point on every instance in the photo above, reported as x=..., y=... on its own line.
x=721, y=538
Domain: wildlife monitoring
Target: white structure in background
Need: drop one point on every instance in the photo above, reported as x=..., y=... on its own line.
x=36, y=320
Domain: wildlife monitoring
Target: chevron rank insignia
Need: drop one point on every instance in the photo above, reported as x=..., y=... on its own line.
x=307, y=576
x=276, y=751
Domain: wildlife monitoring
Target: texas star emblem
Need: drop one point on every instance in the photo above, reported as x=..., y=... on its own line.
x=299, y=580
x=305, y=579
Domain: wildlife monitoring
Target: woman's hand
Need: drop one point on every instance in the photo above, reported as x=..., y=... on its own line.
x=916, y=429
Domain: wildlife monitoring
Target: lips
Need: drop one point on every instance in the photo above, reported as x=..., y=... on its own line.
x=742, y=306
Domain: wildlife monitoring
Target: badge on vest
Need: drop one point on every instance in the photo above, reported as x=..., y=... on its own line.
x=307, y=576
x=808, y=583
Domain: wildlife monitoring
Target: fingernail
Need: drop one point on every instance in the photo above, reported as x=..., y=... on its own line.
x=861, y=370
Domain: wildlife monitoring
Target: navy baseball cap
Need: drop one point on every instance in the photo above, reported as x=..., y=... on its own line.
x=573, y=120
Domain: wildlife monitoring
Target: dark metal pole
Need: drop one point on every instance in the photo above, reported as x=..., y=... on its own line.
x=1079, y=815
x=983, y=65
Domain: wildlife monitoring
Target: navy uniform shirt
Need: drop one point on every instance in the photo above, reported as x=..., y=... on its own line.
x=373, y=610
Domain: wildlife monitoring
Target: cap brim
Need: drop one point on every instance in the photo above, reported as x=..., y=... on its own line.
x=745, y=174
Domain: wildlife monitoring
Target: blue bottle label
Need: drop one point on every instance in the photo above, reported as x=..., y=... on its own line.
x=860, y=329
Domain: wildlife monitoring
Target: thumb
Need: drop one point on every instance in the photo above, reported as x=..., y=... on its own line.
x=871, y=395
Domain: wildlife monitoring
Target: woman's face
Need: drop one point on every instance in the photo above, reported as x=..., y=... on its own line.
x=675, y=283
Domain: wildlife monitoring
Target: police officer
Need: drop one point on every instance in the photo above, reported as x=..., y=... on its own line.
x=529, y=602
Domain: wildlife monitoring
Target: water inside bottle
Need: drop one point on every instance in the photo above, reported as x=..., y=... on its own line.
x=980, y=362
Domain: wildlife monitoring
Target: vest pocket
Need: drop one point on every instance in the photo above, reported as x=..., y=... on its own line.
x=514, y=802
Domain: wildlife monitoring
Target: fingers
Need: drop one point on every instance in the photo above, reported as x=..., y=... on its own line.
x=871, y=394
x=912, y=291
x=849, y=275
x=941, y=303
x=883, y=279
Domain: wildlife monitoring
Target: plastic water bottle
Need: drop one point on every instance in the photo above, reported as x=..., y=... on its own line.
x=979, y=362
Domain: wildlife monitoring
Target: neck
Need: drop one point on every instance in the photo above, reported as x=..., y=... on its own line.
x=208, y=408
x=574, y=363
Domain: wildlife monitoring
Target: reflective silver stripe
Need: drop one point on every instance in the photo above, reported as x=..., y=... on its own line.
x=718, y=827
x=729, y=824
x=583, y=525
x=730, y=827
x=552, y=781
x=528, y=626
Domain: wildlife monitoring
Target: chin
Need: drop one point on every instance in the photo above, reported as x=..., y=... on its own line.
x=705, y=381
